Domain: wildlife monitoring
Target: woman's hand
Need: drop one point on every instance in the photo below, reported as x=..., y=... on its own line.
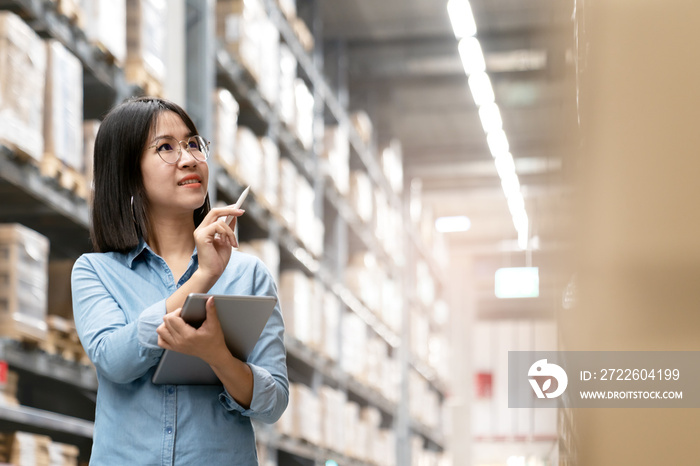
x=206, y=342
x=214, y=240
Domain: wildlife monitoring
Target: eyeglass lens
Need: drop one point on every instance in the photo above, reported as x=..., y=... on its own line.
x=167, y=148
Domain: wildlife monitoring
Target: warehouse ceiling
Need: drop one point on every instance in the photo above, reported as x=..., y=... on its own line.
x=404, y=69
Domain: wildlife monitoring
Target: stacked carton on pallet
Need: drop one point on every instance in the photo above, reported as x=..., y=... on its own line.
x=146, y=44
x=22, y=80
x=24, y=256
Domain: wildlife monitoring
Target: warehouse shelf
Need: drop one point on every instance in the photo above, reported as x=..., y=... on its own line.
x=33, y=418
x=101, y=72
x=42, y=204
x=40, y=363
x=330, y=370
x=301, y=448
x=429, y=374
x=429, y=433
x=234, y=76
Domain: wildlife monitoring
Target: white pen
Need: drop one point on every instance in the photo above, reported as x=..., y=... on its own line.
x=238, y=203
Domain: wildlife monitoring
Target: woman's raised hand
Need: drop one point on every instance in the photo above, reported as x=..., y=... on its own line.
x=214, y=240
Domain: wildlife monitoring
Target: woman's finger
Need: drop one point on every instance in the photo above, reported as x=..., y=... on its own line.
x=218, y=212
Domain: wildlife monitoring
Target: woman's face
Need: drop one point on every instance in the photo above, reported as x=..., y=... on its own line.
x=173, y=189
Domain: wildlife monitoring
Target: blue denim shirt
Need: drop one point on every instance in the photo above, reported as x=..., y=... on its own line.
x=118, y=302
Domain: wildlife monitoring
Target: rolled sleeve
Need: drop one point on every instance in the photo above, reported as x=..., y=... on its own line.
x=149, y=320
x=268, y=397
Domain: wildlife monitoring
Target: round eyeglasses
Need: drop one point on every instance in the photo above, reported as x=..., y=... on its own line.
x=170, y=149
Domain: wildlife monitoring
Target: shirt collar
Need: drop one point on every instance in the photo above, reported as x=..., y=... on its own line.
x=141, y=247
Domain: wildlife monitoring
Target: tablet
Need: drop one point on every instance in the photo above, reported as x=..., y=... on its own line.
x=242, y=320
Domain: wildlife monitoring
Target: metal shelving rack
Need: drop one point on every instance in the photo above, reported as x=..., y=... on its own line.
x=64, y=218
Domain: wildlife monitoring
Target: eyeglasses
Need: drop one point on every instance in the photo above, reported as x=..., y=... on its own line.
x=170, y=149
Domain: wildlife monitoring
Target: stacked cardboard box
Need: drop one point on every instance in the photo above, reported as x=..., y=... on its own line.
x=22, y=81
x=330, y=324
x=267, y=251
x=288, y=74
x=391, y=161
x=62, y=454
x=225, y=127
x=308, y=227
x=248, y=166
x=363, y=125
x=288, y=175
x=336, y=155
x=90, y=128
x=63, y=111
x=364, y=277
x=105, y=26
x=271, y=175
x=304, y=118
x=24, y=257
x=361, y=195
x=24, y=449
x=146, y=44
x=420, y=332
x=332, y=403
x=424, y=402
x=354, y=345
x=252, y=38
x=8, y=385
x=301, y=299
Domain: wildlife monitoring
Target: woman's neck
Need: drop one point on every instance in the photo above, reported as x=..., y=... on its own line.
x=172, y=235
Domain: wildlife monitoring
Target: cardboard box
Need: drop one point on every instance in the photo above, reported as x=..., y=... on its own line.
x=63, y=111
x=249, y=159
x=146, y=41
x=269, y=60
x=363, y=125
x=336, y=150
x=225, y=127
x=238, y=27
x=23, y=282
x=22, y=82
x=287, y=96
x=304, y=119
x=90, y=129
x=287, y=192
x=271, y=175
x=361, y=195
x=105, y=26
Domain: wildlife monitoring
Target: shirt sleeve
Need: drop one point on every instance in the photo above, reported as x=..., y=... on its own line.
x=121, y=351
x=268, y=362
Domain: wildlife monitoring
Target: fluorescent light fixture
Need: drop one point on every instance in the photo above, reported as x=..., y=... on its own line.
x=490, y=117
x=504, y=165
x=498, y=142
x=461, y=17
x=522, y=239
x=517, y=282
x=510, y=184
x=471, y=55
x=452, y=224
x=480, y=86
x=516, y=203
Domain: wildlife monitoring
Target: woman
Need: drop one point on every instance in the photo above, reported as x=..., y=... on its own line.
x=158, y=241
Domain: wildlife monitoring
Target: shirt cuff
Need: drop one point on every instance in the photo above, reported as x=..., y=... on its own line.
x=263, y=394
x=148, y=322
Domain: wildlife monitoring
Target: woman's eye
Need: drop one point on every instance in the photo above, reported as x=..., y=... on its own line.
x=165, y=147
x=194, y=145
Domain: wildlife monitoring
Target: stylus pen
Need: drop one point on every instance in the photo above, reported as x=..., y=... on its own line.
x=238, y=203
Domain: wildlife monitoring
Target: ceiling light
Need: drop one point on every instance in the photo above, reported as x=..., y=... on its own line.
x=490, y=117
x=510, y=184
x=461, y=17
x=504, y=164
x=480, y=86
x=452, y=224
x=471, y=55
x=498, y=143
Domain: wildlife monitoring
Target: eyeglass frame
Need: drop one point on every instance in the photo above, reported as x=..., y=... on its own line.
x=179, y=148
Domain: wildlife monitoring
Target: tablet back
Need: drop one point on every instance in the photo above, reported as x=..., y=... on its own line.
x=242, y=321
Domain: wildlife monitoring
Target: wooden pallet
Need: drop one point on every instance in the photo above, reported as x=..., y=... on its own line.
x=71, y=10
x=62, y=340
x=136, y=74
x=67, y=177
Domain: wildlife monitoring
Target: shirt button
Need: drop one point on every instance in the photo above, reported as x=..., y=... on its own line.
x=169, y=430
x=171, y=390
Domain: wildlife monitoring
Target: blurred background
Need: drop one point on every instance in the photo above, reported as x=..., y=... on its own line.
x=434, y=183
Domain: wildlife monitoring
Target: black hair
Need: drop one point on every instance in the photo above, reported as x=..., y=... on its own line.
x=118, y=222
